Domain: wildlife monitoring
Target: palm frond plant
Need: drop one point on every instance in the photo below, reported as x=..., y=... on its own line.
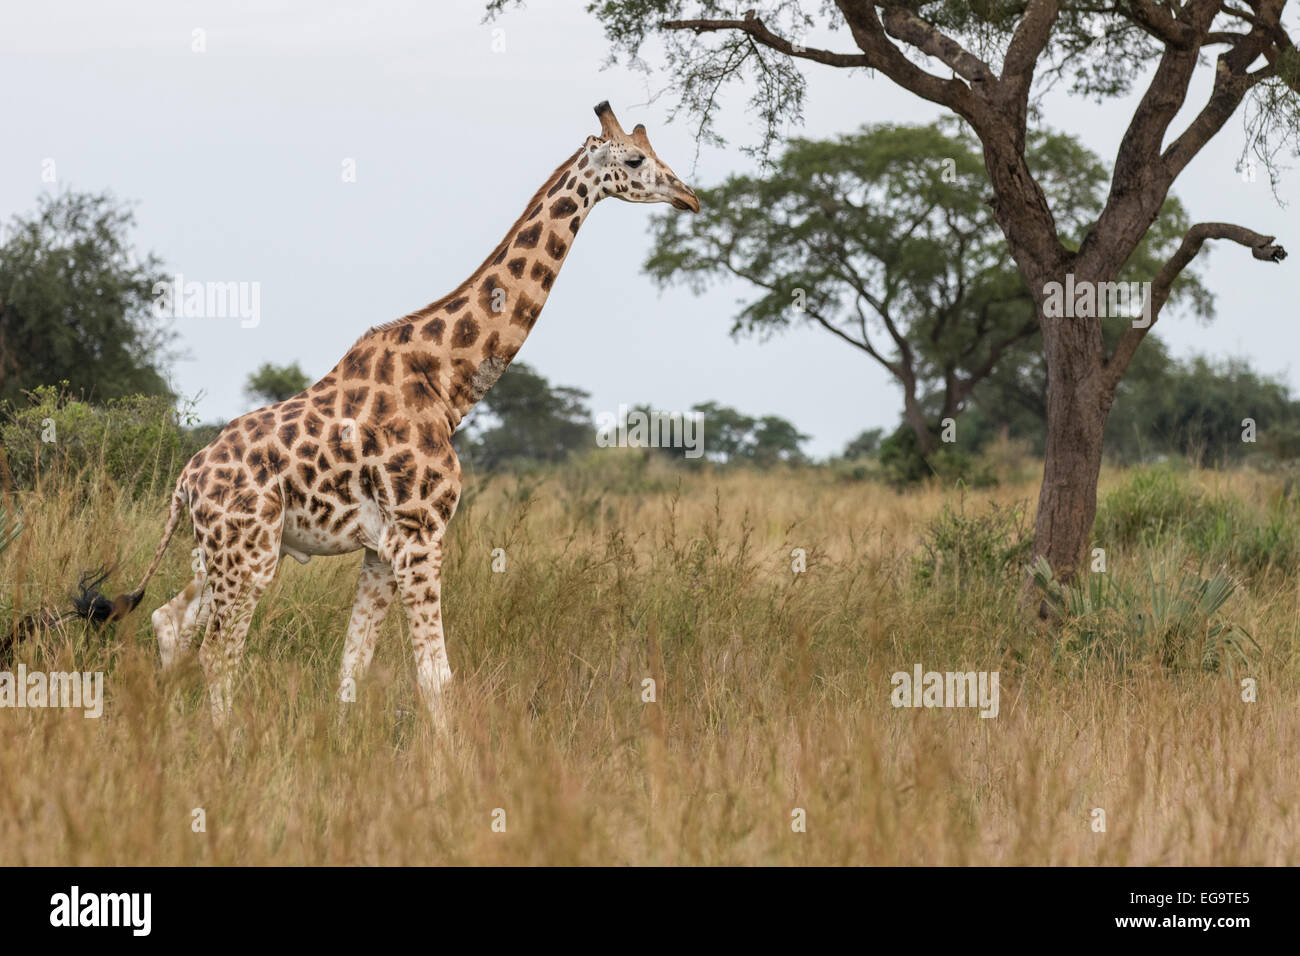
x=1174, y=617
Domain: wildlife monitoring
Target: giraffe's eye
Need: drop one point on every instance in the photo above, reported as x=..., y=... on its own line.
x=634, y=163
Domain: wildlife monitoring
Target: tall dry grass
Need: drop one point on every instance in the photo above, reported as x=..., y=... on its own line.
x=773, y=694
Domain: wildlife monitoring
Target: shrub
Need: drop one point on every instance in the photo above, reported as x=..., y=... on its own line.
x=1156, y=507
x=136, y=443
x=988, y=546
x=1152, y=504
x=1274, y=545
x=902, y=464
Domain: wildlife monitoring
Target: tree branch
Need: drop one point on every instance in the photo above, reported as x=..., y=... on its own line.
x=1231, y=84
x=903, y=24
x=1141, y=177
x=864, y=344
x=1214, y=39
x=1161, y=24
x=978, y=374
x=1261, y=247
x=883, y=55
x=754, y=26
x=1026, y=46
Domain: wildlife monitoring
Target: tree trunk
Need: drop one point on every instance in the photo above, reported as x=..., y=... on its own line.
x=915, y=418
x=1067, y=500
x=1077, y=405
x=1077, y=401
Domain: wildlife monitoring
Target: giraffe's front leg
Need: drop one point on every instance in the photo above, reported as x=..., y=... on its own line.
x=375, y=591
x=417, y=566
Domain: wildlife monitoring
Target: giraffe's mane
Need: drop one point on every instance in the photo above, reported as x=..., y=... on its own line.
x=434, y=306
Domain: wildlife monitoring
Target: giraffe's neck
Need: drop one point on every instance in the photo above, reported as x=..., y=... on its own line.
x=452, y=351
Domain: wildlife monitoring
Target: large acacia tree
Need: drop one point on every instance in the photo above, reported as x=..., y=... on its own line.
x=985, y=61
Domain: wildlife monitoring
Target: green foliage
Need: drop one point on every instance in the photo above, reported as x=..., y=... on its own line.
x=76, y=302
x=865, y=445
x=1164, y=407
x=1153, y=504
x=733, y=438
x=274, y=383
x=902, y=463
x=1196, y=408
x=1258, y=547
x=1171, y=616
x=135, y=443
x=525, y=419
x=1158, y=506
x=776, y=441
x=987, y=547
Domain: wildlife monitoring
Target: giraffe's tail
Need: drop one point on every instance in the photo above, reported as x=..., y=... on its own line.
x=92, y=605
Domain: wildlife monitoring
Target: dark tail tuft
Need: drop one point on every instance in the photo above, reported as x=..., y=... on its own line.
x=90, y=604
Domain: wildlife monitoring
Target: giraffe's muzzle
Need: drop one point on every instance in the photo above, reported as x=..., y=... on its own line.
x=681, y=195
x=686, y=199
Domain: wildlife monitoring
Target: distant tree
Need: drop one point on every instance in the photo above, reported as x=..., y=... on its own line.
x=864, y=445
x=525, y=418
x=732, y=437
x=901, y=461
x=275, y=383
x=727, y=432
x=76, y=302
x=776, y=441
x=872, y=239
x=1196, y=409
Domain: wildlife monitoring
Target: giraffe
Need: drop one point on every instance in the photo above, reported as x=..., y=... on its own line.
x=362, y=460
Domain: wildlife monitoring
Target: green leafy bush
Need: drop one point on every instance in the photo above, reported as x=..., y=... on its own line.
x=137, y=443
x=1153, y=504
x=988, y=546
x=1159, y=506
x=1275, y=544
x=902, y=464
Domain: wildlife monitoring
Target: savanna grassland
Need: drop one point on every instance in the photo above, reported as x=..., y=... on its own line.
x=773, y=688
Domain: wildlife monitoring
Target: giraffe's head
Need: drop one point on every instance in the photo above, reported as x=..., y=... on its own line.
x=627, y=167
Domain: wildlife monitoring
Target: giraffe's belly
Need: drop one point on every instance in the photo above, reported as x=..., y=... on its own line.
x=305, y=536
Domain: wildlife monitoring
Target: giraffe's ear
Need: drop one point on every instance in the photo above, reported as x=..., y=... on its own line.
x=599, y=152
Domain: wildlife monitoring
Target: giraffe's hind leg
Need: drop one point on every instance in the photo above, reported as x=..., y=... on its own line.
x=375, y=591
x=235, y=590
x=176, y=622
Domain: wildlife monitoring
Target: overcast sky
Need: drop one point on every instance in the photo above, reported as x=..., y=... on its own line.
x=235, y=159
